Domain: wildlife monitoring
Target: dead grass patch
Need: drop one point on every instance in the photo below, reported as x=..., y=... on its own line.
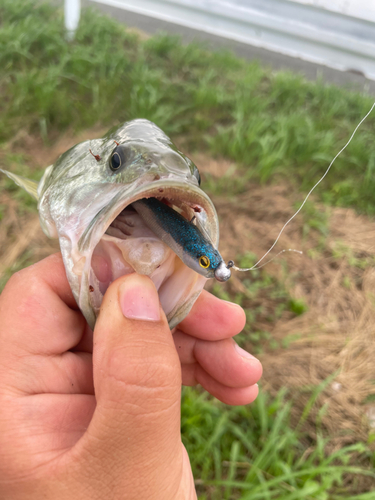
x=337, y=282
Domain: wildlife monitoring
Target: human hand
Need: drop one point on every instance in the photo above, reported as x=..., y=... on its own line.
x=86, y=420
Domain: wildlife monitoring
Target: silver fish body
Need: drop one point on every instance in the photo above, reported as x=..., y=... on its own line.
x=85, y=200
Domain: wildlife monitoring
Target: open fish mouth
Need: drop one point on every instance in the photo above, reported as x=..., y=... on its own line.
x=85, y=199
x=118, y=243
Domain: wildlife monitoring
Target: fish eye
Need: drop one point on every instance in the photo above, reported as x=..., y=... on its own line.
x=115, y=161
x=204, y=261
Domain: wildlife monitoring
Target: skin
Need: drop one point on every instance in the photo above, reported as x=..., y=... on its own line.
x=93, y=419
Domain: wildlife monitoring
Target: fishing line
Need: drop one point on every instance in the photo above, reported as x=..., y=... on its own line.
x=231, y=263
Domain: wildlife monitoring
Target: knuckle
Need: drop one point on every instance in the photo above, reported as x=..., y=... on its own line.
x=20, y=280
x=23, y=296
x=15, y=281
x=144, y=382
x=150, y=373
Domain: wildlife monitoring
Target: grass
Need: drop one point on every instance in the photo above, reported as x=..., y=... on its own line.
x=254, y=452
x=273, y=126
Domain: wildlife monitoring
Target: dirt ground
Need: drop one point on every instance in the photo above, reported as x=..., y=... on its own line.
x=336, y=335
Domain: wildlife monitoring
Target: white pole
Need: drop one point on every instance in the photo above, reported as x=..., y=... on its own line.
x=72, y=12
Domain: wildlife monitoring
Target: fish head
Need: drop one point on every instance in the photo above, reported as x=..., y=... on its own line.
x=85, y=200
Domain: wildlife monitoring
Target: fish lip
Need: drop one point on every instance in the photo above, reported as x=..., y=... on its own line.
x=93, y=234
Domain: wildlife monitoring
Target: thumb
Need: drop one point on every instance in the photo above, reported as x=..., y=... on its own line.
x=137, y=379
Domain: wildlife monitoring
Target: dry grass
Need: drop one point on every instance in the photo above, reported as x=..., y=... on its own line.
x=337, y=333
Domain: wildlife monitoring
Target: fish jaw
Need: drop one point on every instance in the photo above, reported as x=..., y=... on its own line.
x=184, y=285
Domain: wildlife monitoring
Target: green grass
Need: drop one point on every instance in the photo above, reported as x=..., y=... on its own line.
x=271, y=124
x=255, y=453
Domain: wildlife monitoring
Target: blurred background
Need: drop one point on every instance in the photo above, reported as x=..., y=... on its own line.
x=331, y=34
x=261, y=95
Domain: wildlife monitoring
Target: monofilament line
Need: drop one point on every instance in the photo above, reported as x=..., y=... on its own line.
x=308, y=194
x=273, y=258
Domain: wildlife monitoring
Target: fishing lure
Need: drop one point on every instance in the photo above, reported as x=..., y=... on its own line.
x=184, y=237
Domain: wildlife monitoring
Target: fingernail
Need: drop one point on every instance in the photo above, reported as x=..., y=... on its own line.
x=139, y=299
x=243, y=353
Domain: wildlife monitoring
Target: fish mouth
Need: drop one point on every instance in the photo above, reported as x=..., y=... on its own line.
x=121, y=243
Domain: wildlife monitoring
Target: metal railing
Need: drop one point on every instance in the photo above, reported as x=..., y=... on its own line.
x=288, y=27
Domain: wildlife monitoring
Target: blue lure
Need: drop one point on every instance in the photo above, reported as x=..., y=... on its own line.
x=183, y=237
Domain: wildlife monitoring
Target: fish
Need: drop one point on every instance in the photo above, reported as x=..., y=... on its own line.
x=101, y=199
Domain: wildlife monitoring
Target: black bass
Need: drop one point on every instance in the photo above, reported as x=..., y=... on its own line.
x=86, y=200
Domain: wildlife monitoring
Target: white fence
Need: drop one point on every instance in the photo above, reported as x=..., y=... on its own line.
x=336, y=33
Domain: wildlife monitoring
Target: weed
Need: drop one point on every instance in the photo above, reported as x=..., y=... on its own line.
x=297, y=306
x=254, y=452
x=354, y=259
x=270, y=124
x=314, y=218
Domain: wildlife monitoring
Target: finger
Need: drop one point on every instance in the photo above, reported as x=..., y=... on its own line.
x=228, y=395
x=188, y=374
x=86, y=342
x=68, y=373
x=38, y=311
x=224, y=360
x=137, y=380
x=193, y=374
x=213, y=319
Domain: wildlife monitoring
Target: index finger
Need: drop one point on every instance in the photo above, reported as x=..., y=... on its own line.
x=213, y=319
x=38, y=312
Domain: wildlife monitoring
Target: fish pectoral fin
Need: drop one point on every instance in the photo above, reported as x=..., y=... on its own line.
x=28, y=185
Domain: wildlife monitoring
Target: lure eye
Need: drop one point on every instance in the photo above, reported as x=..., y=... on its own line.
x=204, y=261
x=115, y=161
